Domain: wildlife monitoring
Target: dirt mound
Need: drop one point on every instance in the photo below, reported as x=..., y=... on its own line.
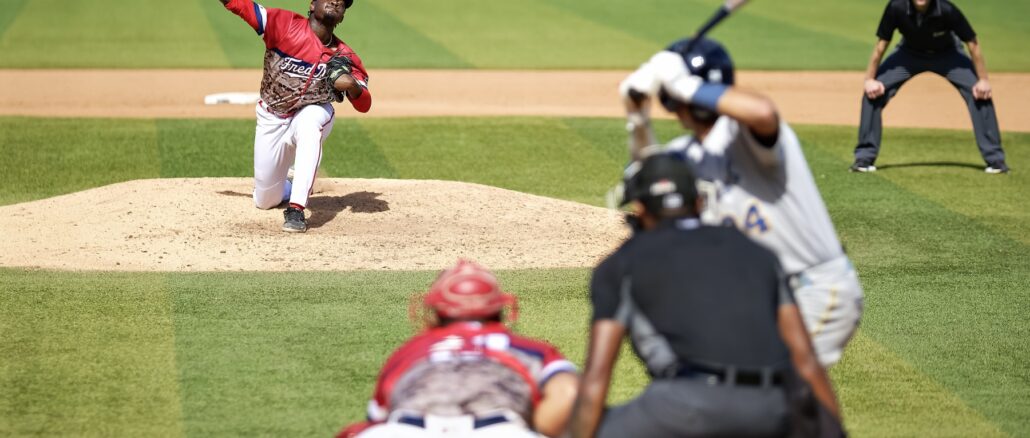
x=210, y=224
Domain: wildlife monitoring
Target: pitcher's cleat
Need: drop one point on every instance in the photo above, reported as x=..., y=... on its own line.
x=295, y=222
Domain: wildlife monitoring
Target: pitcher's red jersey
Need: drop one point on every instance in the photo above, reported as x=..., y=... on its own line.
x=292, y=50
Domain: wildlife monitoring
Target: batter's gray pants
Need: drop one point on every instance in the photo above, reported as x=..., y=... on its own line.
x=958, y=69
x=693, y=408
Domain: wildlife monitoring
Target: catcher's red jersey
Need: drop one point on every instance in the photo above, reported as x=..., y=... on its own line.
x=465, y=368
x=292, y=50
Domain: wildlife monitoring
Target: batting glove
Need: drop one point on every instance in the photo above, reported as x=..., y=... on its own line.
x=643, y=81
x=674, y=77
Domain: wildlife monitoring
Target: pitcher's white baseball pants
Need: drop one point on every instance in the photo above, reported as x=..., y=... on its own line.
x=281, y=142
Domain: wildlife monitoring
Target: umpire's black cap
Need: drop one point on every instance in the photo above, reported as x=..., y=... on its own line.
x=661, y=182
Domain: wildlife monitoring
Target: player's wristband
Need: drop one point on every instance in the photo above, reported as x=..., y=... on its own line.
x=707, y=95
x=693, y=89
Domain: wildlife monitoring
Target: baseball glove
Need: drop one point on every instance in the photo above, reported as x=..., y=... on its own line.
x=337, y=66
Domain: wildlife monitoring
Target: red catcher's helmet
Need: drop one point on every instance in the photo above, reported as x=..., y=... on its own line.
x=468, y=291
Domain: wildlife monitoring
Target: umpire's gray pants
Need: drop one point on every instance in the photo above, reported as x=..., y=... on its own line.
x=955, y=66
x=693, y=408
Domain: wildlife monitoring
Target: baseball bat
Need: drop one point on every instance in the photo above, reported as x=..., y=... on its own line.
x=724, y=11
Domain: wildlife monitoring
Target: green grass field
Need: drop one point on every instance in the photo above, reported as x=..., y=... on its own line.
x=767, y=34
x=941, y=249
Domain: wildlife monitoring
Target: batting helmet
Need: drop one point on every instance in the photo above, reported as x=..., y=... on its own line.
x=468, y=291
x=706, y=59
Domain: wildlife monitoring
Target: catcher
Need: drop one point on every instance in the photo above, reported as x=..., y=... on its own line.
x=306, y=68
x=467, y=374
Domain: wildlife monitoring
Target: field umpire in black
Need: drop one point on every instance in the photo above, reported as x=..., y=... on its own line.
x=710, y=314
x=931, y=32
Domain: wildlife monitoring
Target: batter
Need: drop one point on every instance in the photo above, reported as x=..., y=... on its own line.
x=755, y=177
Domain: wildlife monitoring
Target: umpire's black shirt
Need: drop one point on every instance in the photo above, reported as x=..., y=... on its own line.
x=711, y=292
x=927, y=33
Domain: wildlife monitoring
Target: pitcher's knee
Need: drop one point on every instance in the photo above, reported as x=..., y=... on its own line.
x=266, y=199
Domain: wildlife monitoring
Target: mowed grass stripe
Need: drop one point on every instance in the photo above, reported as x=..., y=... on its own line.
x=203, y=148
x=297, y=354
x=799, y=34
x=757, y=42
x=533, y=155
x=499, y=34
x=754, y=41
x=110, y=33
x=234, y=38
x=9, y=13
x=1002, y=32
x=606, y=136
x=380, y=39
x=790, y=34
x=49, y=157
x=884, y=396
x=292, y=354
x=384, y=41
x=945, y=166
x=87, y=355
x=350, y=152
x=967, y=332
x=994, y=200
x=937, y=283
x=849, y=21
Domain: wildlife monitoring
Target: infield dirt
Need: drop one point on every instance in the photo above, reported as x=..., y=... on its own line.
x=830, y=98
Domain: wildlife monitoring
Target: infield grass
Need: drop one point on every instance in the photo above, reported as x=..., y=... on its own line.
x=532, y=34
x=940, y=247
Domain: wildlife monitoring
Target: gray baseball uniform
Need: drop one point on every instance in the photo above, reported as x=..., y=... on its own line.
x=769, y=193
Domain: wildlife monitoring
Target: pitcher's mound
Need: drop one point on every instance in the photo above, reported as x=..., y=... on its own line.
x=210, y=224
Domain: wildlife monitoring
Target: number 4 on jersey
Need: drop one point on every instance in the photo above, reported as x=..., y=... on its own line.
x=754, y=221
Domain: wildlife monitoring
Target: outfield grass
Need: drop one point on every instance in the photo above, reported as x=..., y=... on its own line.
x=782, y=34
x=941, y=250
